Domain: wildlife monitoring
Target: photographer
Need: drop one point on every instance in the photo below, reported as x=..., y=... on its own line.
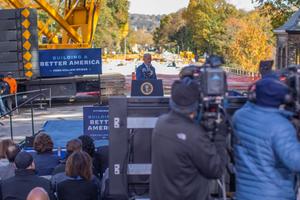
x=184, y=158
x=146, y=70
x=267, y=152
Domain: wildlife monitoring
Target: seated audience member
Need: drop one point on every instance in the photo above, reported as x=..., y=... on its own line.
x=102, y=159
x=3, y=148
x=38, y=193
x=45, y=160
x=79, y=186
x=89, y=147
x=72, y=146
x=24, y=181
x=59, y=174
x=8, y=171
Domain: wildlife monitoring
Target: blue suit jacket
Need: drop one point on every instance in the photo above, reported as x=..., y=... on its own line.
x=142, y=73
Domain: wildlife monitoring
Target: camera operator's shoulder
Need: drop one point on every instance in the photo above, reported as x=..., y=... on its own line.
x=248, y=106
x=163, y=117
x=196, y=131
x=162, y=120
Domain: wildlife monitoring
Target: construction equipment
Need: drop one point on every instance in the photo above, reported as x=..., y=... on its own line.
x=66, y=24
x=61, y=25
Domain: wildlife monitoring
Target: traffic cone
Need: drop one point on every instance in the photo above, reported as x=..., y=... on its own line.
x=133, y=76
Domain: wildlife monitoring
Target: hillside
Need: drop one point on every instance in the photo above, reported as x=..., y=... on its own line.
x=146, y=22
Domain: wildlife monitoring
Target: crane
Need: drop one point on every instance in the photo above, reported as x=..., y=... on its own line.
x=67, y=24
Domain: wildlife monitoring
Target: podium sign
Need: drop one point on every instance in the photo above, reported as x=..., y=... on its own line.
x=147, y=88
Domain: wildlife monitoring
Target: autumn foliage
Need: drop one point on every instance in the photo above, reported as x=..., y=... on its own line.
x=249, y=40
x=218, y=27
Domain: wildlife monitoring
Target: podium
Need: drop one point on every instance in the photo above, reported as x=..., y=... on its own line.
x=147, y=88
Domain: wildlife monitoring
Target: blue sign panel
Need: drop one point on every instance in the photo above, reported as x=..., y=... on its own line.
x=95, y=122
x=69, y=62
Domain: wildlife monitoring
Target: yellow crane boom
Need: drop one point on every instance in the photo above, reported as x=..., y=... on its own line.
x=76, y=21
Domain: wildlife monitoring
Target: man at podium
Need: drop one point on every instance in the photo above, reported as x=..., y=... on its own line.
x=146, y=71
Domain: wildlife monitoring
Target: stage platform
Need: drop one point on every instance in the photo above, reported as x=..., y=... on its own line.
x=61, y=131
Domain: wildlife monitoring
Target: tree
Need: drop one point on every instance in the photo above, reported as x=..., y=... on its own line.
x=278, y=10
x=161, y=34
x=141, y=37
x=205, y=19
x=183, y=38
x=173, y=32
x=249, y=40
x=113, y=20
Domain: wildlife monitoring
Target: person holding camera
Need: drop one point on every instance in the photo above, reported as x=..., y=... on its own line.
x=267, y=152
x=146, y=70
x=184, y=158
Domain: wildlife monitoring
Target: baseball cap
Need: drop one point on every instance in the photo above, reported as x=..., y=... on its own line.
x=23, y=160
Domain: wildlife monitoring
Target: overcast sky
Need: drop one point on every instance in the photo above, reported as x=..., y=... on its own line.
x=169, y=6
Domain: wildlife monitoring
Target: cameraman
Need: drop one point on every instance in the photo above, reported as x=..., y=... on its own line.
x=146, y=70
x=184, y=158
x=267, y=152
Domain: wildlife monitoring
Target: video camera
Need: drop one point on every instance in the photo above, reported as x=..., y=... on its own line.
x=215, y=107
x=291, y=77
x=213, y=88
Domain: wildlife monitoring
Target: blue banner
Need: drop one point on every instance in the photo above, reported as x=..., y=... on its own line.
x=70, y=62
x=95, y=122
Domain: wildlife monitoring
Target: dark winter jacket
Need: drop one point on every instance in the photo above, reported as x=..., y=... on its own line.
x=77, y=190
x=184, y=159
x=61, y=177
x=267, y=154
x=45, y=163
x=99, y=164
x=60, y=167
x=19, y=186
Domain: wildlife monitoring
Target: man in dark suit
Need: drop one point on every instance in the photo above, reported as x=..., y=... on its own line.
x=146, y=70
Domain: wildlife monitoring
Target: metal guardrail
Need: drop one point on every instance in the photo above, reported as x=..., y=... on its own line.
x=29, y=92
x=30, y=100
x=241, y=72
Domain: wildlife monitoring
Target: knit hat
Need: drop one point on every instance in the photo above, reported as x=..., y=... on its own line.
x=185, y=96
x=23, y=160
x=271, y=92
